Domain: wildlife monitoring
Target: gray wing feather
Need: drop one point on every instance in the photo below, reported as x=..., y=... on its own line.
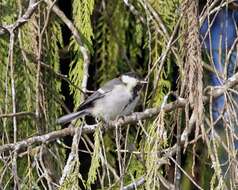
x=107, y=87
x=84, y=108
x=69, y=117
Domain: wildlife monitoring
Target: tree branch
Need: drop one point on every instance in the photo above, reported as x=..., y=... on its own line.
x=135, y=184
x=49, y=137
x=18, y=114
x=21, y=20
x=133, y=118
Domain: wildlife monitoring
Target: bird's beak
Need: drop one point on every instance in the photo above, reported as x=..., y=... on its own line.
x=143, y=82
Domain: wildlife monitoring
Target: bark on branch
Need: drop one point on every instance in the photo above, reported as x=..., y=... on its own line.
x=33, y=4
x=133, y=118
x=49, y=137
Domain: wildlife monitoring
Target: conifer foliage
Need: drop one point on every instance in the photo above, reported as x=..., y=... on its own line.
x=53, y=54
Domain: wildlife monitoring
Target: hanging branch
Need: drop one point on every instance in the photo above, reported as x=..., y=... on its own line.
x=33, y=4
x=192, y=86
x=77, y=37
x=193, y=64
x=13, y=93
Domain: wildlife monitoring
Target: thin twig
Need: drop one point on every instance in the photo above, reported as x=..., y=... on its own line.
x=185, y=173
x=135, y=184
x=119, y=158
x=33, y=4
x=18, y=114
x=73, y=156
x=13, y=90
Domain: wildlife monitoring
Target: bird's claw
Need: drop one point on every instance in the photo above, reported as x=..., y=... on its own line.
x=120, y=117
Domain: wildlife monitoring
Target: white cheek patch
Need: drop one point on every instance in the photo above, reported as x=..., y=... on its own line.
x=128, y=80
x=101, y=91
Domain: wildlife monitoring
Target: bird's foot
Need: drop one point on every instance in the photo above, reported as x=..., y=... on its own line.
x=120, y=118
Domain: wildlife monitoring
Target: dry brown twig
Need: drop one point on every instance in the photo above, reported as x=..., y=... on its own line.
x=73, y=156
x=13, y=92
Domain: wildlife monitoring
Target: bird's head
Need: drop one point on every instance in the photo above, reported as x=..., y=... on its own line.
x=131, y=80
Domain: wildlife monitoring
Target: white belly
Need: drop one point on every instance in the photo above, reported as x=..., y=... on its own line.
x=116, y=104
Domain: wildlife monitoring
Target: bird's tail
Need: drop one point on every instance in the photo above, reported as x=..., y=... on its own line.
x=69, y=117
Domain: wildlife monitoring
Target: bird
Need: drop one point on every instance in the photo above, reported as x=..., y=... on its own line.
x=116, y=98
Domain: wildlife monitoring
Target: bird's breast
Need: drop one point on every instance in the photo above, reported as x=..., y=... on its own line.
x=115, y=103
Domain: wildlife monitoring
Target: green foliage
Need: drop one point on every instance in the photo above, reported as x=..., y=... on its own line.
x=9, y=11
x=118, y=38
x=95, y=162
x=163, y=87
x=168, y=10
x=110, y=146
x=25, y=51
x=82, y=11
x=109, y=37
x=72, y=181
x=188, y=167
x=136, y=168
x=3, y=66
x=76, y=76
x=30, y=175
x=121, y=36
x=53, y=85
x=156, y=141
x=8, y=15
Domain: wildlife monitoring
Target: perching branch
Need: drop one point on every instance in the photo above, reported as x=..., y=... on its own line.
x=49, y=137
x=133, y=118
x=22, y=145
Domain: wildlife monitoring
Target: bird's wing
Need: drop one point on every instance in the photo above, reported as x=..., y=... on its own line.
x=69, y=117
x=101, y=92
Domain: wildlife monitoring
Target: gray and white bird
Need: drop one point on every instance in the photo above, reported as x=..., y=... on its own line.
x=118, y=97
